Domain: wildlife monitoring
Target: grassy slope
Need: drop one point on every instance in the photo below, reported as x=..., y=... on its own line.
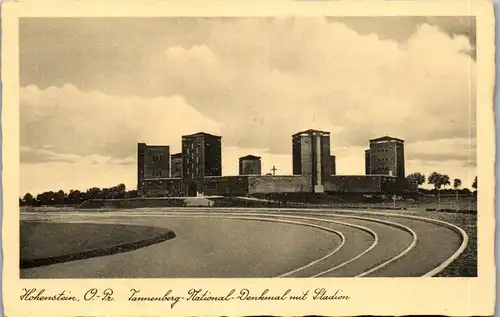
x=43, y=239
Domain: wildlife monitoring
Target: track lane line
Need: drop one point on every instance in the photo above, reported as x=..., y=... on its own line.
x=435, y=271
x=260, y=217
x=372, y=270
x=285, y=211
x=461, y=232
x=389, y=223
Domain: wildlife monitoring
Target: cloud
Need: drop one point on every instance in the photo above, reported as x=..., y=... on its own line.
x=44, y=156
x=231, y=154
x=69, y=121
x=310, y=73
x=28, y=155
x=461, y=26
x=276, y=76
x=439, y=157
x=81, y=175
x=456, y=149
x=254, y=81
x=400, y=28
x=455, y=157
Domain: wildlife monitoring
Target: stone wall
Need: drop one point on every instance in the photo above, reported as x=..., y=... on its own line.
x=276, y=184
x=169, y=187
x=245, y=185
x=354, y=184
x=225, y=186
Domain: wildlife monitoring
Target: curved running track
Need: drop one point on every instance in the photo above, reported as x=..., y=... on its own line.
x=269, y=243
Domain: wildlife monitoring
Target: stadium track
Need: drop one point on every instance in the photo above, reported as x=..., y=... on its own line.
x=360, y=244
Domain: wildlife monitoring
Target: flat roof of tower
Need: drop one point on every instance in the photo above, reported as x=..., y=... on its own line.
x=250, y=157
x=311, y=131
x=153, y=145
x=386, y=138
x=201, y=134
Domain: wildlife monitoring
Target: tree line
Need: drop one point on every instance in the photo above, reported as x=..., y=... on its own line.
x=440, y=181
x=76, y=197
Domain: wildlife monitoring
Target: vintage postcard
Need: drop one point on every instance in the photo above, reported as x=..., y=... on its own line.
x=219, y=158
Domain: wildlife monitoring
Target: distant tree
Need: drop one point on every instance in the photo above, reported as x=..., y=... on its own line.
x=438, y=180
x=28, y=199
x=46, y=198
x=74, y=197
x=59, y=197
x=456, y=184
x=416, y=178
x=474, y=183
x=93, y=193
x=21, y=203
x=269, y=174
x=121, y=191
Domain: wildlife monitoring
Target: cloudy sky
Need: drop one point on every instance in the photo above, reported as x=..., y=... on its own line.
x=91, y=88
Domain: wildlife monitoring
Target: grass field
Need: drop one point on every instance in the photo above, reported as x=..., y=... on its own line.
x=467, y=203
x=43, y=243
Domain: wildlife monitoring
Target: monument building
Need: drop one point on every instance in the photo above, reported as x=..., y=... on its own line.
x=198, y=169
x=201, y=157
x=153, y=162
x=385, y=157
x=176, y=165
x=333, y=166
x=367, y=162
x=311, y=157
x=250, y=165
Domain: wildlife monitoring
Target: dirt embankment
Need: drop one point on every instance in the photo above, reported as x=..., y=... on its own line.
x=45, y=243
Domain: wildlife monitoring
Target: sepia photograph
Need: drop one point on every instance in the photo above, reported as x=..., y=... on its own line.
x=309, y=148
x=240, y=147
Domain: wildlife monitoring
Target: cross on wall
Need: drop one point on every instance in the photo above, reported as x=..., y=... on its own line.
x=274, y=169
